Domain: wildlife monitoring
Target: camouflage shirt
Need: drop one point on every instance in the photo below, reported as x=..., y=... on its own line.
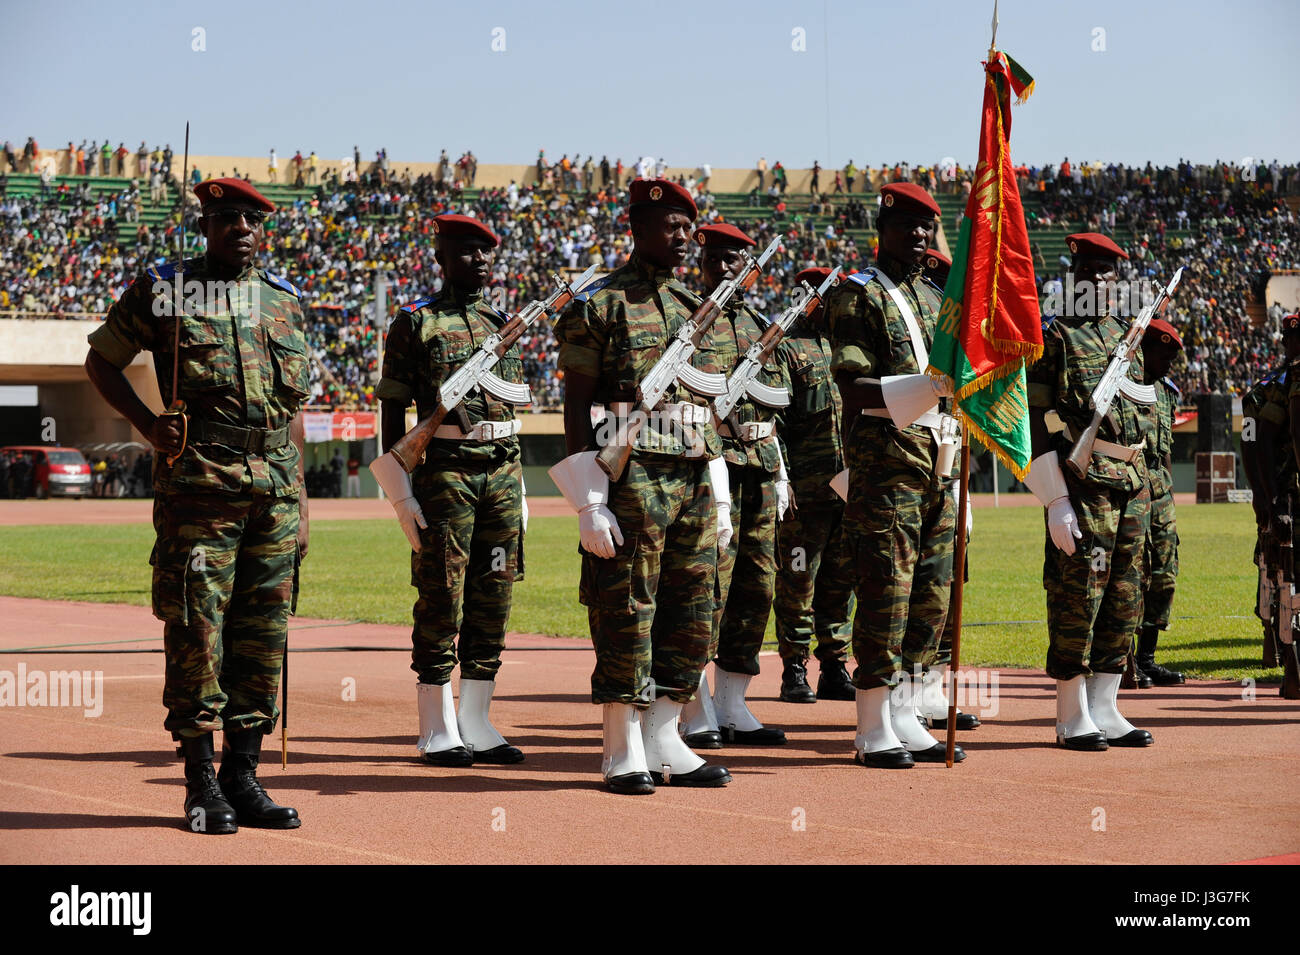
x=428, y=340
x=243, y=363
x=1159, y=449
x=810, y=426
x=733, y=334
x=617, y=329
x=870, y=338
x=1076, y=353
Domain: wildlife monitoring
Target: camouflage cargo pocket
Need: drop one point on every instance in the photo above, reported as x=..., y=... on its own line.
x=431, y=566
x=171, y=563
x=607, y=582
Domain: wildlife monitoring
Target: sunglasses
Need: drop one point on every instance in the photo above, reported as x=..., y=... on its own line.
x=230, y=217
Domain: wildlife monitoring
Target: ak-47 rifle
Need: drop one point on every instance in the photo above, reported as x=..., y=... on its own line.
x=177, y=407
x=675, y=365
x=744, y=380
x=1116, y=380
x=477, y=373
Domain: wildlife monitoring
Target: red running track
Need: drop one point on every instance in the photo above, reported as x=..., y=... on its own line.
x=1218, y=786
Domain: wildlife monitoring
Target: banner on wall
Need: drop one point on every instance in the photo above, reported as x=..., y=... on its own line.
x=320, y=426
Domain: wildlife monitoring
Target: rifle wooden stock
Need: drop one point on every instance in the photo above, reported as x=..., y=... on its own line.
x=1081, y=454
x=410, y=447
x=613, y=457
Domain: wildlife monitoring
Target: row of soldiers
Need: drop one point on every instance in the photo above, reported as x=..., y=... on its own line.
x=683, y=555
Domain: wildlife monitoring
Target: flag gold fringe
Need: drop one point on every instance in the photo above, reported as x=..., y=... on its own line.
x=978, y=434
x=1027, y=92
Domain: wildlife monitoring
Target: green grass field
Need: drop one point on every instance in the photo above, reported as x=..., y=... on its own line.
x=360, y=570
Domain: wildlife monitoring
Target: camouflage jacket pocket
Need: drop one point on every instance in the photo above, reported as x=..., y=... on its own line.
x=207, y=358
x=289, y=354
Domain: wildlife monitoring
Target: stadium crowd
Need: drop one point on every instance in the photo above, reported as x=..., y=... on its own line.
x=70, y=252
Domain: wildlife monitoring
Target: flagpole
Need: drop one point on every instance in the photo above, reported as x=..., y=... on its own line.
x=958, y=591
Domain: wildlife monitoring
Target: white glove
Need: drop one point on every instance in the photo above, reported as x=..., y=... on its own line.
x=1048, y=484
x=523, y=503
x=598, y=529
x=782, y=483
x=721, y=481
x=1063, y=525
x=396, y=483
x=410, y=516
x=907, y=397
x=942, y=386
x=586, y=487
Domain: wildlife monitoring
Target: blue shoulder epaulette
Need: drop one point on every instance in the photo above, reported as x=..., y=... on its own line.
x=864, y=277
x=161, y=273
x=283, y=284
x=1169, y=383
x=933, y=284
x=500, y=316
x=1047, y=321
x=595, y=286
x=418, y=304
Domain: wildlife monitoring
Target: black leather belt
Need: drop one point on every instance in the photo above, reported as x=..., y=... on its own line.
x=251, y=440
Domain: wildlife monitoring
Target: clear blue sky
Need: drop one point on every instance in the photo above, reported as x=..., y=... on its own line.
x=691, y=80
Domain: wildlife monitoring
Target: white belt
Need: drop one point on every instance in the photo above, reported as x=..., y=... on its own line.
x=928, y=419
x=685, y=412
x=1120, y=452
x=750, y=431
x=483, y=431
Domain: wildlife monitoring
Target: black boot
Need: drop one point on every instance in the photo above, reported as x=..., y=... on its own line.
x=238, y=777
x=1146, y=661
x=206, y=808
x=834, y=682
x=794, y=683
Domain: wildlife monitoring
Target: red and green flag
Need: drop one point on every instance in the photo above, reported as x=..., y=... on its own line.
x=989, y=326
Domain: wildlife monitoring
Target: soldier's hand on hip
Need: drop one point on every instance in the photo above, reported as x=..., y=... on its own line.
x=165, y=433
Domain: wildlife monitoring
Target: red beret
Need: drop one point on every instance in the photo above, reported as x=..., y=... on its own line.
x=663, y=193
x=908, y=198
x=215, y=191
x=722, y=233
x=1166, y=332
x=1291, y=323
x=814, y=276
x=1094, y=244
x=452, y=225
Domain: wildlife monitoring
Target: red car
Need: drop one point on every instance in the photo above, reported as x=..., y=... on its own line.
x=56, y=472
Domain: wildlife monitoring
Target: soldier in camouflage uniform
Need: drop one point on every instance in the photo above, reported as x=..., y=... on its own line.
x=933, y=704
x=1272, y=456
x=464, y=515
x=1160, y=346
x=900, y=514
x=1097, y=525
x=648, y=539
x=759, y=494
x=814, y=578
x=230, y=511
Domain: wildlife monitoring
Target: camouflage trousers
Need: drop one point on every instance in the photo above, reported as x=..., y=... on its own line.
x=746, y=572
x=224, y=584
x=901, y=539
x=650, y=606
x=1094, y=597
x=814, y=582
x=1161, y=564
x=465, y=570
